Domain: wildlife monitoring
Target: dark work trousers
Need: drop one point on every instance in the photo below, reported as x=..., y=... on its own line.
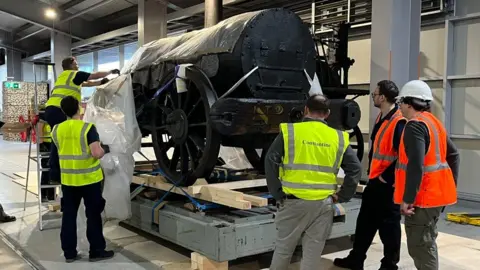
x=47, y=193
x=54, y=116
x=378, y=213
x=94, y=206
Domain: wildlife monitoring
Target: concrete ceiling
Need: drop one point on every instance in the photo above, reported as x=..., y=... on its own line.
x=30, y=30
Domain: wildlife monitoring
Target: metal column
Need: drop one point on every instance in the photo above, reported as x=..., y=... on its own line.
x=152, y=21
x=395, y=43
x=213, y=12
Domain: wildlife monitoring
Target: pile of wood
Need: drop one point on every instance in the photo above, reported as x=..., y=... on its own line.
x=228, y=194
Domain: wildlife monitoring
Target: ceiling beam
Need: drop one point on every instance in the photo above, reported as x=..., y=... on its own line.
x=62, y=7
x=177, y=15
x=69, y=18
x=32, y=11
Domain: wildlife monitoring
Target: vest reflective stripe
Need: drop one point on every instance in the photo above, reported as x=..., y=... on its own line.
x=77, y=166
x=437, y=187
x=439, y=164
x=46, y=132
x=310, y=167
x=309, y=172
x=383, y=152
x=64, y=87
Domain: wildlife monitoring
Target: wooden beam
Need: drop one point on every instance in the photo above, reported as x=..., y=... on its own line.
x=196, y=189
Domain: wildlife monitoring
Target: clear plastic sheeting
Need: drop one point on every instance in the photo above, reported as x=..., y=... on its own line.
x=219, y=38
x=234, y=158
x=111, y=108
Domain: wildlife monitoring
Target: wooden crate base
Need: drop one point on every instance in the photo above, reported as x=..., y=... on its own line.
x=200, y=262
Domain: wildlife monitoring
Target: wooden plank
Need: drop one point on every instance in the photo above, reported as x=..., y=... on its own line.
x=220, y=196
x=196, y=189
x=200, y=262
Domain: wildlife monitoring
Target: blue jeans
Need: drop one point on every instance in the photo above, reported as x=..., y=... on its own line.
x=54, y=116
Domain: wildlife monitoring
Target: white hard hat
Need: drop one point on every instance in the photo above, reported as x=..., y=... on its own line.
x=416, y=89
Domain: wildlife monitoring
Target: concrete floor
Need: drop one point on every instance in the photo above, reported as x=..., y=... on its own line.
x=459, y=244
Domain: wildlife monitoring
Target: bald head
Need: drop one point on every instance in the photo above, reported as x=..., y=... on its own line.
x=317, y=106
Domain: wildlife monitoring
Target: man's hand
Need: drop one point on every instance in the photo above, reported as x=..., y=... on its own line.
x=334, y=198
x=407, y=209
x=115, y=71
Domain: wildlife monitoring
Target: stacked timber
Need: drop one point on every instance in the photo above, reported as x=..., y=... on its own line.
x=16, y=105
x=227, y=194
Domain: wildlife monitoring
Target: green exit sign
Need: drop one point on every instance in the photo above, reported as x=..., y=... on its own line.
x=12, y=85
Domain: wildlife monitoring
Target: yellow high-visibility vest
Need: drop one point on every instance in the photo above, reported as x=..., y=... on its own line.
x=77, y=165
x=313, y=152
x=64, y=87
x=46, y=132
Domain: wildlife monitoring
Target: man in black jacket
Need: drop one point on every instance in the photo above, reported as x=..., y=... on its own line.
x=378, y=211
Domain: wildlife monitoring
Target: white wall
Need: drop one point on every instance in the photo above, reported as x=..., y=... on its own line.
x=465, y=114
x=27, y=72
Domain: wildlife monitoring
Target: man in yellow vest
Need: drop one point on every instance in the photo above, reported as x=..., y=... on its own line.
x=69, y=83
x=45, y=140
x=301, y=169
x=80, y=150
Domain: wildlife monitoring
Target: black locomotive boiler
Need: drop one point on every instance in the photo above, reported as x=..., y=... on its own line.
x=231, y=84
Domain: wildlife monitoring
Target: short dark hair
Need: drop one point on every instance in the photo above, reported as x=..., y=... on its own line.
x=68, y=62
x=69, y=106
x=388, y=89
x=417, y=104
x=318, y=104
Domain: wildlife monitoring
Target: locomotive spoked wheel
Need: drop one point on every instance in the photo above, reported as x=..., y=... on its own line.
x=358, y=143
x=185, y=145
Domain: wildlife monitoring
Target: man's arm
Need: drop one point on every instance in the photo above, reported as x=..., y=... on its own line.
x=273, y=159
x=453, y=158
x=415, y=141
x=85, y=79
x=353, y=172
x=93, y=140
x=398, y=133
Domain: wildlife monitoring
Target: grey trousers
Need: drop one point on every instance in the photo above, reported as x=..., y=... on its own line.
x=311, y=220
x=421, y=230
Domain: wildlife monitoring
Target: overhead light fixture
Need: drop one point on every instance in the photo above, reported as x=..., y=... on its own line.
x=50, y=13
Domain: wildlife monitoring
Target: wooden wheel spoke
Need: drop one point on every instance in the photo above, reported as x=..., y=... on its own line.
x=187, y=100
x=193, y=108
x=184, y=160
x=175, y=159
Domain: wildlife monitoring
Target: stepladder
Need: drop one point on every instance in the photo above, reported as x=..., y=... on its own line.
x=46, y=190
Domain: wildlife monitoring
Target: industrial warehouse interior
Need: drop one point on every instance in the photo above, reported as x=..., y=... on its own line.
x=187, y=98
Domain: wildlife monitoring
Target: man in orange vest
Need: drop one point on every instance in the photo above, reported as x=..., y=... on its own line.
x=426, y=173
x=378, y=212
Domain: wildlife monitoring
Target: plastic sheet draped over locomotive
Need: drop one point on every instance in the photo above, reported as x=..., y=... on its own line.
x=231, y=84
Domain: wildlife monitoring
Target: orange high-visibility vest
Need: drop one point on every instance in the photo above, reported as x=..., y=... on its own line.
x=438, y=185
x=383, y=152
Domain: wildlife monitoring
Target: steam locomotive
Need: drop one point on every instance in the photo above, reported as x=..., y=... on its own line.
x=232, y=84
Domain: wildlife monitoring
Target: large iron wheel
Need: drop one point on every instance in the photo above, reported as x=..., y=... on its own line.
x=185, y=145
x=358, y=144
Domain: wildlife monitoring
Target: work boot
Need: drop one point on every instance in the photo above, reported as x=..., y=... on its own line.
x=103, y=255
x=347, y=263
x=76, y=258
x=388, y=267
x=4, y=217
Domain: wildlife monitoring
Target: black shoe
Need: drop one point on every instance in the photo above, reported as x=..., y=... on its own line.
x=76, y=258
x=104, y=255
x=384, y=267
x=6, y=218
x=347, y=263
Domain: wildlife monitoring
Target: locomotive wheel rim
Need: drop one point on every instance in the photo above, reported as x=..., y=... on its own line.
x=359, y=146
x=200, y=148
